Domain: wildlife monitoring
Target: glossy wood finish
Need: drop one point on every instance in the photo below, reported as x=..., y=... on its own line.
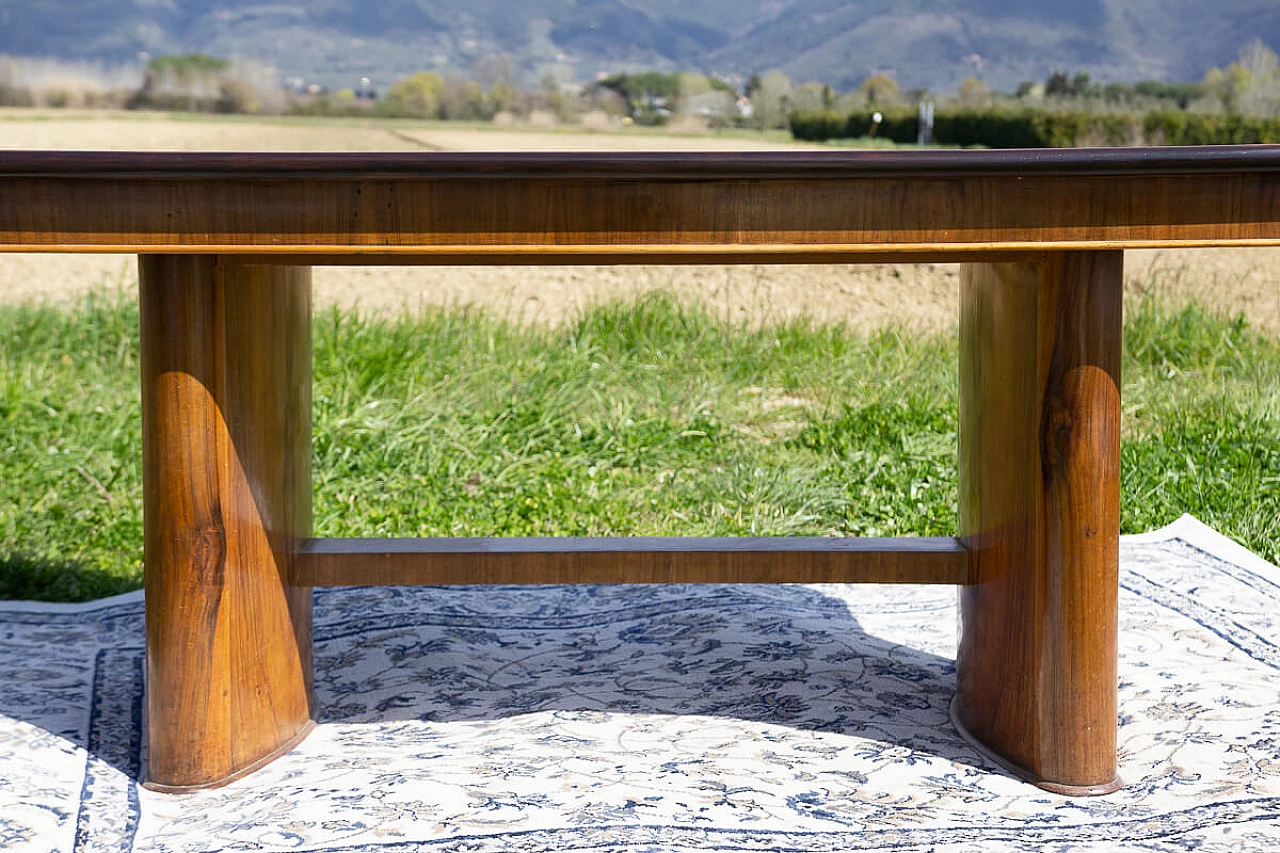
x=226, y=400
x=1039, y=508
x=226, y=388
x=341, y=562
x=648, y=166
x=608, y=208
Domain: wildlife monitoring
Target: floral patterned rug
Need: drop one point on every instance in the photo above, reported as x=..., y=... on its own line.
x=676, y=718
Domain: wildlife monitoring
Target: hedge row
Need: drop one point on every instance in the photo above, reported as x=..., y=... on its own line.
x=1178, y=128
x=1025, y=128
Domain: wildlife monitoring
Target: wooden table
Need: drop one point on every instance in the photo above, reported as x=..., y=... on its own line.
x=225, y=245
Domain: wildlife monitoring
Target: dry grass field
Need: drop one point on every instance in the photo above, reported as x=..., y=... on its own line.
x=922, y=296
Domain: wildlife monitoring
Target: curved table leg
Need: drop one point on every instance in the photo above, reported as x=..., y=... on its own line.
x=226, y=401
x=1039, y=508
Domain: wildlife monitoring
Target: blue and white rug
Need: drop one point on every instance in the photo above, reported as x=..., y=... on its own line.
x=749, y=718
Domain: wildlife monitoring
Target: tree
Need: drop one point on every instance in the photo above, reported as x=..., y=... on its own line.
x=554, y=99
x=1258, y=59
x=187, y=66
x=878, y=89
x=1118, y=93
x=464, y=99
x=418, y=95
x=1082, y=86
x=810, y=97
x=195, y=81
x=771, y=106
x=191, y=81
x=1057, y=86
x=972, y=90
x=1182, y=93
x=709, y=98
x=496, y=76
x=689, y=84
x=607, y=101
x=246, y=87
x=1260, y=93
x=649, y=94
x=1250, y=85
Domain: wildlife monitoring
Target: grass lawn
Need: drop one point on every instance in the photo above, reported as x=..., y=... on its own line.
x=644, y=418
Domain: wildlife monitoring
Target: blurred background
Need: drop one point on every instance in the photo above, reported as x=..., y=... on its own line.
x=711, y=400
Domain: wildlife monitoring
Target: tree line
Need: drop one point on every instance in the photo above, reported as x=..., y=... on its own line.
x=1232, y=105
x=1026, y=127
x=1239, y=102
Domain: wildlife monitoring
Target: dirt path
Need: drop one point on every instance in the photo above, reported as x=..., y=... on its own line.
x=922, y=296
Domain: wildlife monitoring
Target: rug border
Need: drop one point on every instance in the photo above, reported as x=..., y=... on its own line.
x=1196, y=533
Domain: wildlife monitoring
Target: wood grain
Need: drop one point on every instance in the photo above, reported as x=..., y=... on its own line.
x=340, y=562
x=226, y=482
x=1039, y=508
x=605, y=208
x=226, y=387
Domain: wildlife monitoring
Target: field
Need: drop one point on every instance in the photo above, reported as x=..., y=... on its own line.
x=640, y=418
x=864, y=297
x=637, y=400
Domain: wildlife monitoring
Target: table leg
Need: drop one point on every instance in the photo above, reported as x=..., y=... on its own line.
x=1039, y=506
x=226, y=402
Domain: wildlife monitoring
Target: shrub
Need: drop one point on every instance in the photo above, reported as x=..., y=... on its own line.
x=1170, y=127
x=15, y=96
x=994, y=128
x=817, y=126
x=1002, y=127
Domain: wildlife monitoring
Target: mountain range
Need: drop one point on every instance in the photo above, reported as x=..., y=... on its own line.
x=923, y=43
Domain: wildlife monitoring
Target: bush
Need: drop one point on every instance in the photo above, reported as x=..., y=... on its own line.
x=199, y=83
x=896, y=125
x=1170, y=127
x=997, y=128
x=817, y=126
x=1029, y=128
x=15, y=96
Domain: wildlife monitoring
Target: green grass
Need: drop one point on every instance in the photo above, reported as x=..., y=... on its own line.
x=644, y=418
x=884, y=142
